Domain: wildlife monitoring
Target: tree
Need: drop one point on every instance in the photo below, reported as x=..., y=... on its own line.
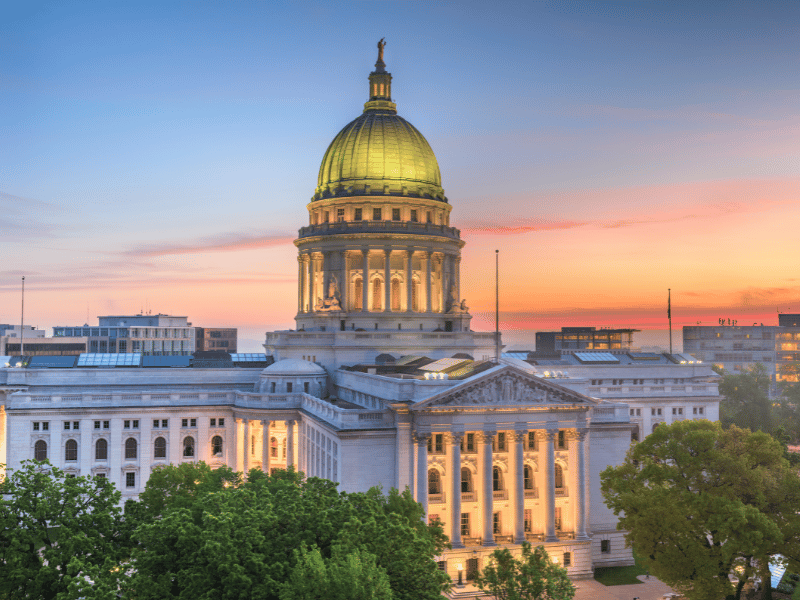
x=533, y=577
x=746, y=400
x=700, y=502
x=59, y=535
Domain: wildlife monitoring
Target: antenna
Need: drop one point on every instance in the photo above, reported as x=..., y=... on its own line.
x=22, y=324
x=497, y=305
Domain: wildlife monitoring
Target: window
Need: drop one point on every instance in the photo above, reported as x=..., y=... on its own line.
x=501, y=442
x=130, y=480
x=395, y=214
x=528, y=520
x=531, y=441
x=496, y=523
x=131, y=448
x=567, y=559
x=272, y=387
x=66, y=425
x=164, y=423
x=497, y=479
x=466, y=480
x=376, y=214
x=273, y=447
x=97, y=424
x=135, y=424
x=558, y=518
x=357, y=215
x=429, y=217
x=216, y=445
x=252, y=444
x=434, y=482
x=562, y=440
x=632, y=412
x=339, y=215
x=126, y=425
x=680, y=410
x=605, y=546
x=40, y=450
x=45, y=425
x=470, y=442
x=436, y=444
x=284, y=448
x=414, y=215
x=192, y=422
x=160, y=448
x=213, y=423
x=694, y=410
x=101, y=450
x=638, y=412
x=700, y=410
x=289, y=387
x=35, y=426
x=100, y=476
x=395, y=294
x=559, y=477
x=188, y=447
x=306, y=387
x=106, y=424
x=155, y=423
x=71, y=450
x=465, y=524
x=527, y=477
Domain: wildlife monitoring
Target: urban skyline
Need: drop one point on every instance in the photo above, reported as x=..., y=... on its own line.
x=161, y=155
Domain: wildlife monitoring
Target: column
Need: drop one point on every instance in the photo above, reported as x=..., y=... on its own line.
x=550, y=486
x=387, y=280
x=422, y=470
x=344, y=281
x=248, y=447
x=488, y=492
x=580, y=522
x=289, y=444
x=519, y=488
x=202, y=449
x=300, y=295
x=309, y=282
x=239, y=445
x=428, y=305
x=455, y=495
x=265, y=446
x=457, y=276
x=365, y=280
x=409, y=279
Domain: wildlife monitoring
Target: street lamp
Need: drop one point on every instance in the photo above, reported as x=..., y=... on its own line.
x=460, y=568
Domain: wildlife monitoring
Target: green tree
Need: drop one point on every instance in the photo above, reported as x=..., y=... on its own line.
x=59, y=535
x=700, y=502
x=746, y=402
x=531, y=577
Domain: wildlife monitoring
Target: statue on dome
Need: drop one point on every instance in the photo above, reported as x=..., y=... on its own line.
x=331, y=302
x=381, y=46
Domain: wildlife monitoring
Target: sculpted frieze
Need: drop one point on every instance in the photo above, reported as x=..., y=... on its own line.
x=508, y=388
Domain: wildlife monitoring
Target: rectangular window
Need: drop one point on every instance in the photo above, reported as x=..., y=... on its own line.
x=567, y=559
x=632, y=413
x=496, y=523
x=638, y=412
x=130, y=480
x=213, y=422
x=164, y=422
x=528, y=522
x=101, y=475
x=395, y=214
x=501, y=442
x=562, y=439
x=222, y=422
x=36, y=426
x=700, y=410
x=694, y=410
x=357, y=215
x=531, y=440
x=184, y=422
x=97, y=424
x=339, y=215
x=45, y=425
x=136, y=423
x=464, y=524
x=106, y=424
x=680, y=410
x=674, y=411
x=76, y=425
x=659, y=411
x=326, y=217
x=155, y=423
x=470, y=442
x=66, y=424
x=126, y=425
x=605, y=546
x=414, y=215
x=376, y=214
x=429, y=217
x=192, y=422
x=442, y=565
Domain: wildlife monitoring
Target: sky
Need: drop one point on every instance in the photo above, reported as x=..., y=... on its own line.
x=159, y=156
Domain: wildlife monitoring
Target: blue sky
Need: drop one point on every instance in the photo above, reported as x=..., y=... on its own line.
x=162, y=153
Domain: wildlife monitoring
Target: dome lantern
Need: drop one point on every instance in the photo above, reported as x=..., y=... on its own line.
x=380, y=86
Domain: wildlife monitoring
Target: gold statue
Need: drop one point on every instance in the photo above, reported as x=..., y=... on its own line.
x=381, y=46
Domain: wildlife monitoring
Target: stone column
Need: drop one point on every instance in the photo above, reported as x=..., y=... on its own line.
x=239, y=445
x=387, y=280
x=365, y=280
x=409, y=279
x=248, y=447
x=457, y=276
x=343, y=282
x=265, y=447
x=428, y=286
x=289, y=444
x=86, y=453
x=422, y=470
x=202, y=451
x=550, y=486
x=299, y=283
x=309, y=282
x=455, y=495
x=519, y=488
x=580, y=522
x=488, y=493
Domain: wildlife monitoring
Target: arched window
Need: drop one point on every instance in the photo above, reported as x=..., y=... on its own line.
x=559, y=477
x=101, y=450
x=40, y=450
x=376, y=294
x=216, y=445
x=131, y=448
x=358, y=294
x=284, y=447
x=188, y=446
x=466, y=480
x=395, y=294
x=71, y=450
x=434, y=482
x=160, y=448
x=497, y=479
x=654, y=426
x=527, y=477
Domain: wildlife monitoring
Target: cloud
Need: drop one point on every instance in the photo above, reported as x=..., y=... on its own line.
x=24, y=219
x=225, y=242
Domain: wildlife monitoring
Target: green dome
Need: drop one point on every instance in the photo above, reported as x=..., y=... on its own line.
x=379, y=153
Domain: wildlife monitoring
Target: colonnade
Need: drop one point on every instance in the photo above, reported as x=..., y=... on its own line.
x=546, y=439
x=246, y=450
x=437, y=273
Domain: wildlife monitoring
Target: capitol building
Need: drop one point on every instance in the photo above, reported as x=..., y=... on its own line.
x=382, y=381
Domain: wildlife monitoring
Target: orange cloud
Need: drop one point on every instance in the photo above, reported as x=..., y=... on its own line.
x=225, y=242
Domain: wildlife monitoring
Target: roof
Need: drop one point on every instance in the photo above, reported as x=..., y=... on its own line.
x=294, y=366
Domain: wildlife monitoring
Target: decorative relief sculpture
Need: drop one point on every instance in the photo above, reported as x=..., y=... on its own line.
x=331, y=303
x=507, y=389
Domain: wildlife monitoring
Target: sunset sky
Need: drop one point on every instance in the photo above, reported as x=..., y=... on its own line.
x=160, y=155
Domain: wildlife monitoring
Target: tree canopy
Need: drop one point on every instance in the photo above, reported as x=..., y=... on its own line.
x=746, y=401
x=701, y=502
x=531, y=577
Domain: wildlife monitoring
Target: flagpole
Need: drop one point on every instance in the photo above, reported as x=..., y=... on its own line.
x=497, y=305
x=669, y=316
x=22, y=323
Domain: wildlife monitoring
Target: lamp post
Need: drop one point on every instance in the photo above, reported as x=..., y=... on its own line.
x=460, y=568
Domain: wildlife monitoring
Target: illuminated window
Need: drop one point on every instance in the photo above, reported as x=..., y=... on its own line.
x=527, y=477
x=395, y=294
x=359, y=294
x=465, y=524
x=466, y=480
x=528, y=522
x=559, y=479
x=434, y=482
x=376, y=295
x=497, y=479
x=496, y=523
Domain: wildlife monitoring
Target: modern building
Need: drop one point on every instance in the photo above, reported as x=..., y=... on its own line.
x=215, y=338
x=151, y=335
x=13, y=331
x=382, y=383
x=737, y=347
x=583, y=338
x=42, y=346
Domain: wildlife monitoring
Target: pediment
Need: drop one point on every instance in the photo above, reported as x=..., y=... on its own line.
x=505, y=386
